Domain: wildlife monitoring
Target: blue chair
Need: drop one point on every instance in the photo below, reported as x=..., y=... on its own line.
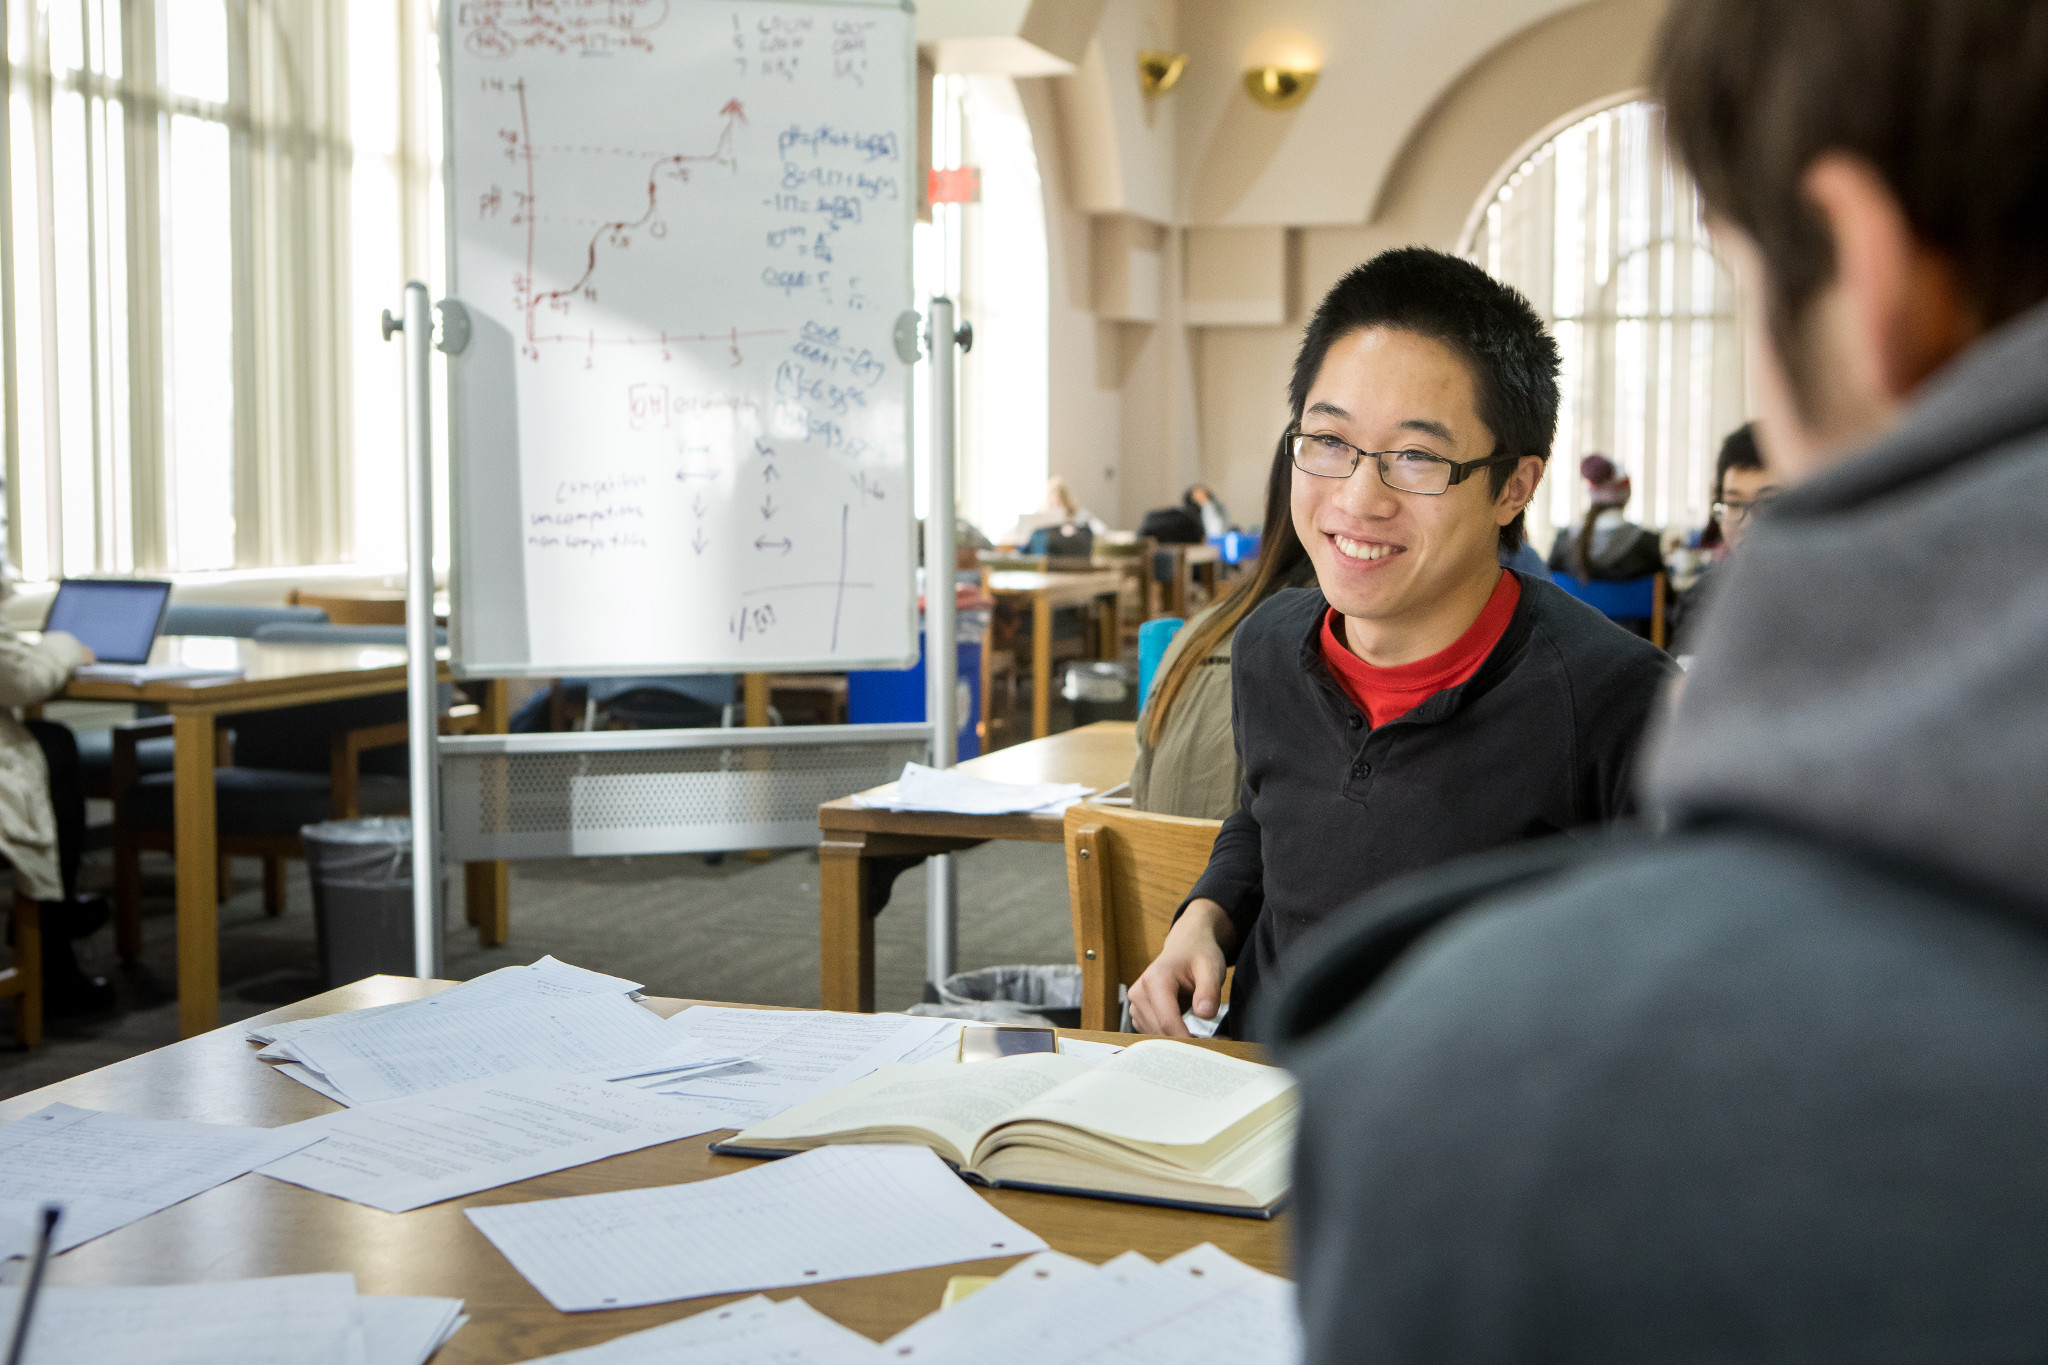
x=1153, y=638
x=1634, y=599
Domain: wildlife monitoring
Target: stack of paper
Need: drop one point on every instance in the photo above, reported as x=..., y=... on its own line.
x=420, y=1149
x=825, y=1215
x=1053, y=1310
x=756, y=1331
x=788, y=1057
x=547, y=1016
x=953, y=792
x=289, y=1320
x=108, y=1170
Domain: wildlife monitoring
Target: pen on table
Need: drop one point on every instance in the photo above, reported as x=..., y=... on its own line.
x=34, y=1284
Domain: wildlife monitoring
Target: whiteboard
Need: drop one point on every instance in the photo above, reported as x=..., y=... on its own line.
x=678, y=433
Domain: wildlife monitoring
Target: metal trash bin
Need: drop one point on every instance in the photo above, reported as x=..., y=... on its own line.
x=1099, y=691
x=361, y=872
x=1022, y=994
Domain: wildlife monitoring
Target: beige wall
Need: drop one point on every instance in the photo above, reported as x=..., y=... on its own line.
x=1189, y=234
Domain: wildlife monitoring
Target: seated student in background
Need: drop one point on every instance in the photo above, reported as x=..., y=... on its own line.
x=1187, y=759
x=1771, y=1087
x=1421, y=702
x=1059, y=509
x=42, y=812
x=1208, y=508
x=1606, y=545
x=1741, y=488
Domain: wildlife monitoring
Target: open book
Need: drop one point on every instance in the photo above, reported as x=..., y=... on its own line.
x=1161, y=1122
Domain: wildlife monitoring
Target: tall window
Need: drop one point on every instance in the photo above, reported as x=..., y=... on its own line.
x=174, y=205
x=990, y=258
x=1604, y=235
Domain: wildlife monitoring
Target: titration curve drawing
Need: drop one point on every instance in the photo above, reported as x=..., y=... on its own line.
x=677, y=166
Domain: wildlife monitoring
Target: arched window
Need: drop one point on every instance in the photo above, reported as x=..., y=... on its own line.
x=1603, y=233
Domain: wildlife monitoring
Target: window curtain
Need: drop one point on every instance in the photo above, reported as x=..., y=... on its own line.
x=115, y=460
x=1604, y=235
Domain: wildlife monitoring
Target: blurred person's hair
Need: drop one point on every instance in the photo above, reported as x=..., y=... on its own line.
x=1280, y=554
x=1059, y=497
x=1489, y=326
x=1946, y=100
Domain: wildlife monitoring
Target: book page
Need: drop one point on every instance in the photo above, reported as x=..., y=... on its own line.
x=955, y=1104
x=1161, y=1091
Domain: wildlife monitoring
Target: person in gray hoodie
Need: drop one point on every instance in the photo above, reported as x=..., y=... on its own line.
x=1772, y=1083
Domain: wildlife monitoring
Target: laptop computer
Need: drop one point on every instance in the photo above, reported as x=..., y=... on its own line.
x=116, y=618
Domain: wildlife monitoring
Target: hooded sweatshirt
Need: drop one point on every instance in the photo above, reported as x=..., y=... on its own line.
x=1773, y=1086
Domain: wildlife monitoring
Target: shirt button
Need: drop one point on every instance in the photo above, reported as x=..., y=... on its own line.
x=1365, y=770
x=1353, y=721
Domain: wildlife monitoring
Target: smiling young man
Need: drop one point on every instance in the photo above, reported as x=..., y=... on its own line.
x=1421, y=702
x=1772, y=1087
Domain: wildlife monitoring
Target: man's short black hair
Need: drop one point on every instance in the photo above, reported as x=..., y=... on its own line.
x=1489, y=325
x=1947, y=100
x=1739, y=451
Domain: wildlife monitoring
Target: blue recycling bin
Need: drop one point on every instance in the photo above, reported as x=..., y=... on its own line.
x=883, y=695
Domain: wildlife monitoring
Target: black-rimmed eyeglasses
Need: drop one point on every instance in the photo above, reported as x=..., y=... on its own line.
x=1409, y=471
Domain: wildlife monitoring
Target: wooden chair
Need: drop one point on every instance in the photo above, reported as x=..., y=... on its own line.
x=1127, y=872
x=24, y=980
x=344, y=610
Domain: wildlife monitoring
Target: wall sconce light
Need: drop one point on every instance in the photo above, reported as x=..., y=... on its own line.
x=1159, y=72
x=1281, y=68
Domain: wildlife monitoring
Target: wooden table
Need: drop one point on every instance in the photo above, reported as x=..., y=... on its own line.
x=255, y=1226
x=1044, y=593
x=863, y=850
x=1192, y=564
x=270, y=675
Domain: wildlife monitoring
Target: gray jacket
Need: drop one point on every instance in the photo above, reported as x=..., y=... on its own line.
x=1773, y=1086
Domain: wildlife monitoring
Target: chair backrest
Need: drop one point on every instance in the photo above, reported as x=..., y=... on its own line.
x=1633, y=599
x=1153, y=638
x=206, y=618
x=345, y=610
x=1127, y=872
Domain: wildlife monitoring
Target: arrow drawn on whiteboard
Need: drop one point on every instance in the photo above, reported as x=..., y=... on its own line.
x=768, y=508
x=699, y=541
x=697, y=503
x=685, y=475
x=763, y=543
x=768, y=472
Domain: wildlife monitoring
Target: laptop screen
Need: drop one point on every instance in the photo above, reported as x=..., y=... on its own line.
x=116, y=618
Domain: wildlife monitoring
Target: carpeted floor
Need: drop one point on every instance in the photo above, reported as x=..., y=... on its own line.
x=741, y=931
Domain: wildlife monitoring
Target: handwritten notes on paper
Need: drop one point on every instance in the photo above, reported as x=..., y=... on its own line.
x=826, y=1215
x=108, y=1170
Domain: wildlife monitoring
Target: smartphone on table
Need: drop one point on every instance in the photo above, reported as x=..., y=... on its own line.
x=990, y=1042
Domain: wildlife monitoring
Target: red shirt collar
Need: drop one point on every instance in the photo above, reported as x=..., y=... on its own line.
x=1386, y=694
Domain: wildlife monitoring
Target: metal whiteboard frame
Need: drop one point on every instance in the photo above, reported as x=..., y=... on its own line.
x=457, y=664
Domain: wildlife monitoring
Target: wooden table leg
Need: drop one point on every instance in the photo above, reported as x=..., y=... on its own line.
x=754, y=704
x=1041, y=666
x=846, y=929
x=195, y=844
x=28, y=971
x=1109, y=645
x=487, y=887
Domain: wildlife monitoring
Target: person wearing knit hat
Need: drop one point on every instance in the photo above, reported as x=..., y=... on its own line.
x=1606, y=545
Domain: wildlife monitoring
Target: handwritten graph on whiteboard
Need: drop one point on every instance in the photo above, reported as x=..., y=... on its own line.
x=681, y=229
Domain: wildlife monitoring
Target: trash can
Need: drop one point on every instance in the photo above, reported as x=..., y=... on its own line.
x=1099, y=691
x=361, y=872
x=1021, y=994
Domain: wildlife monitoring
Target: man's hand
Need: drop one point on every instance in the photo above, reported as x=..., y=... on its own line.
x=1189, y=968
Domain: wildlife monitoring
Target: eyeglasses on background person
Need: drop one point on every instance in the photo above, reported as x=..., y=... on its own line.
x=1737, y=511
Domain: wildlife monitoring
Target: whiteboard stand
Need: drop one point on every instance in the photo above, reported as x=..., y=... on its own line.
x=422, y=676
x=941, y=652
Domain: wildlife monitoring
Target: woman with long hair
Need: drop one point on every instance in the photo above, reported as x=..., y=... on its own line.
x=1187, y=760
